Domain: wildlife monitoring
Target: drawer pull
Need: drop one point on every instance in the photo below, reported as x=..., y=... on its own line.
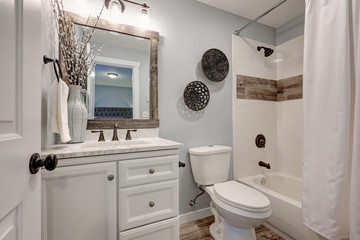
x=151, y=171
x=111, y=177
x=151, y=204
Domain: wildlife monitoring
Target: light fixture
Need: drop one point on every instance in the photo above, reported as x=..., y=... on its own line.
x=144, y=10
x=112, y=75
x=120, y=6
x=115, y=5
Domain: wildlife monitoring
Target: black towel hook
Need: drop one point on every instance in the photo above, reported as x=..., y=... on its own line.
x=55, y=62
x=56, y=73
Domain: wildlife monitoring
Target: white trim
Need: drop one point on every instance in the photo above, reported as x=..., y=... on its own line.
x=196, y=215
x=136, y=92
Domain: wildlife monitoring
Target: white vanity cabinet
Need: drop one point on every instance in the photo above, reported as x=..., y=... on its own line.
x=126, y=196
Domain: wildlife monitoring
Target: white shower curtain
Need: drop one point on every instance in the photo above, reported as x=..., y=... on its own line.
x=331, y=160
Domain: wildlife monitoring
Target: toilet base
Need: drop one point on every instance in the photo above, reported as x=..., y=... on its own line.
x=220, y=230
x=215, y=233
x=234, y=233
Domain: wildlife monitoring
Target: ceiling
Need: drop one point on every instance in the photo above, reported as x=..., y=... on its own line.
x=250, y=9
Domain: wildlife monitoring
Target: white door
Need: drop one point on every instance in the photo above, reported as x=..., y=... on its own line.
x=20, y=98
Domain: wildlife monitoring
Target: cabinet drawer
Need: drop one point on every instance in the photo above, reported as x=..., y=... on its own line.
x=147, y=203
x=166, y=230
x=148, y=170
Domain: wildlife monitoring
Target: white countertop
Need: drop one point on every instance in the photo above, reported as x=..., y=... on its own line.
x=94, y=148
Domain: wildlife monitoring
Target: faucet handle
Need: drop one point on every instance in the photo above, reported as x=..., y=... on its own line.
x=128, y=135
x=101, y=136
x=115, y=135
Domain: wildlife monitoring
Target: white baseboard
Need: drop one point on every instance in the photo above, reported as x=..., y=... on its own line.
x=196, y=215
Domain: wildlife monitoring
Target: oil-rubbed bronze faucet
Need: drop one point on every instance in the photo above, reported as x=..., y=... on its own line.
x=128, y=135
x=101, y=136
x=262, y=164
x=115, y=136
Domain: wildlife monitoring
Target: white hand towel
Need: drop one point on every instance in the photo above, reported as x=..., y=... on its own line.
x=58, y=110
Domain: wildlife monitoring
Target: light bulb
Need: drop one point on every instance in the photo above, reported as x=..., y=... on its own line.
x=144, y=11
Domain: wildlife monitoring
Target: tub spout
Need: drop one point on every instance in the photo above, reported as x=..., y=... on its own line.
x=262, y=164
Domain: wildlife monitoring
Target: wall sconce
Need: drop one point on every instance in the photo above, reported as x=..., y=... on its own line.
x=119, y=4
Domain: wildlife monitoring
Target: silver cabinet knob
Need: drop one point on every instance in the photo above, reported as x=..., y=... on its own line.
x=151, y=171
x=151, y=204
x=110, y=177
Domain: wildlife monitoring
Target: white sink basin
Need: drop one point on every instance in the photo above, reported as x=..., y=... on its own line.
x=115, y=143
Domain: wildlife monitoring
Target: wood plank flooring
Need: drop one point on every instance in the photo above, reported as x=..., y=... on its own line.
x=199, y=230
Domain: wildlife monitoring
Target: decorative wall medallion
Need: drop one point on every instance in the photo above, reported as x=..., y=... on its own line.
x=196, y=95
x=215, y=65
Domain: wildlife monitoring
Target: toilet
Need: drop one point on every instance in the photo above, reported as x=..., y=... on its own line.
x=237, y=208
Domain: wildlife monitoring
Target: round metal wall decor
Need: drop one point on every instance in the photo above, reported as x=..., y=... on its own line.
x=196, y=95
x=215, y=65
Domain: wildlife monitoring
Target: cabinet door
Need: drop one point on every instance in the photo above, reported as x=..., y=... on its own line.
x=79, y=202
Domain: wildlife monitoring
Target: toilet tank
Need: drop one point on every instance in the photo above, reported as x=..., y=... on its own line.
x=210, y=164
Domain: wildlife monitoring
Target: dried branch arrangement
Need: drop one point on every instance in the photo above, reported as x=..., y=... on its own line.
x=77, y=54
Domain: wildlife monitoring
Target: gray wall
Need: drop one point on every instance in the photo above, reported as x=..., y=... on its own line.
x=290, y=30
x=111, y=96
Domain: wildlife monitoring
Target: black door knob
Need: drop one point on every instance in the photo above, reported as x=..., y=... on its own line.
x=35, y=163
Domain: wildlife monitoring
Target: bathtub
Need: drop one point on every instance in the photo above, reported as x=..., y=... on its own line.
x=284, y=193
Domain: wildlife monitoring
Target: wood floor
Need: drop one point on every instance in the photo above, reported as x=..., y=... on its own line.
x=199, y=230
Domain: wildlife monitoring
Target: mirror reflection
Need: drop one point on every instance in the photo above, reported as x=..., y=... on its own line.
x=118, y=85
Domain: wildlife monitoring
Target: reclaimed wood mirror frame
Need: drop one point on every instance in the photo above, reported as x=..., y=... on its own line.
x=153, y=37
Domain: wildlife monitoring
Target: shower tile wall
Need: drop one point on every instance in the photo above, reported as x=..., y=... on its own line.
x=280, y=122
x=289, y=113
x=252, y=117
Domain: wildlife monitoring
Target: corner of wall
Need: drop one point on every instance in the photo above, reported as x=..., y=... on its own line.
x=48, y=47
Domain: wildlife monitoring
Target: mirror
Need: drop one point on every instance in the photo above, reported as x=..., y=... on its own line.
x=122, y=87
x=118, y=86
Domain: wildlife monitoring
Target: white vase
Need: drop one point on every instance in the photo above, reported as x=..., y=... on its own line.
x=77, y=113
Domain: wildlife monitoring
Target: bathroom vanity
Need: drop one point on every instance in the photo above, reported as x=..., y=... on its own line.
x=113, y=190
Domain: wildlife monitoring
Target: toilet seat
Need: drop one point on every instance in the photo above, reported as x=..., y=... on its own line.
x=241, y=196
x=250, y=214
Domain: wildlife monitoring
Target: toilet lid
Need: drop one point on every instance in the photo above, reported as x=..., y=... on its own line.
x=241, y=196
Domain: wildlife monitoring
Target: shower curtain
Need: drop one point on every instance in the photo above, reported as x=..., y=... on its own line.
x=331, y=154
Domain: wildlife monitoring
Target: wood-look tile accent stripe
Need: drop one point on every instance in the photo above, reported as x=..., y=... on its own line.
x=268, y=90
x=256, y=88
x=290, y=88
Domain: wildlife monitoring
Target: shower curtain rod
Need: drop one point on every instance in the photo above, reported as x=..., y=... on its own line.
x=237, y=32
